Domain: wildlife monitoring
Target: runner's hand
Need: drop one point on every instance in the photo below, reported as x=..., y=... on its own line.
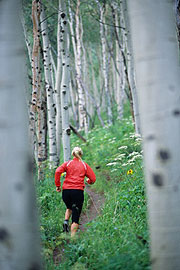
x=88, y=181
x=58, y=189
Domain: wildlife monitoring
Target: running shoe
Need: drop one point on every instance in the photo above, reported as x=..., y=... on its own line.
x=65, y=227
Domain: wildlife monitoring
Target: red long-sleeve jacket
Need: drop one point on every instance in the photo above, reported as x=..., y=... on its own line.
x=76, y=170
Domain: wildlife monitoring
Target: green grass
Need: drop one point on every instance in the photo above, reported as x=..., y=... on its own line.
x=118, y=239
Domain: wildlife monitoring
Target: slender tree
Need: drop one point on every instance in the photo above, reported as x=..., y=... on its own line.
x=83, y=124
x=104, y=61
x=36, y=9
x=49, y=90
x=65, y=82
x=19, y=240
x=41, y=133
x=158, y=80
x=130, y=60
x=58, y=86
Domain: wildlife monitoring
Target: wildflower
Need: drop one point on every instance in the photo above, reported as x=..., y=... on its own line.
x=123, y=147
x=130, y=172
x=62, y=174
x=124, y=164
x=111, y=164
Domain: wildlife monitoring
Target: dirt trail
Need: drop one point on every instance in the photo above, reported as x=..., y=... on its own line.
x=94, y=209
x=96, y=203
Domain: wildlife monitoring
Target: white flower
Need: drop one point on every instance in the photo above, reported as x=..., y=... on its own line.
x=111, y=164
x=113, y=170
x=124, y=164
x=133, y=154
x=123, y=147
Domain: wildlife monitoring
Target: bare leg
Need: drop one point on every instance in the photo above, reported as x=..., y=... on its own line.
x=74, y=228
x=68, y=214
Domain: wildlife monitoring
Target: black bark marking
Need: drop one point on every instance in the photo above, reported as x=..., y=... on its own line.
x=64, y=22
x=157, y=180
x=176, y=112
x=35, y=266
x=19, y=187
x=4, y=235
x=63, y=15
x=150, y=137
x=68, y=131
x=164, y=155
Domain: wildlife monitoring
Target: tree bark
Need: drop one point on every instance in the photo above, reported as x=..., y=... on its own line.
x=65, y=83
x=81, y=95
x=35, y=73
x=104, y=60
x=157, y=69
x=58, y=87
x=41, y=133
x=131, y=71
x=49, y=91
x=19, y=239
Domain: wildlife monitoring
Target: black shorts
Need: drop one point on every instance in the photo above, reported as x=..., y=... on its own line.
x=73, y=199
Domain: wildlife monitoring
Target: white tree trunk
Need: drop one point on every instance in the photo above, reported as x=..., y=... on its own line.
x=49, y=90
x=72, y=98
x=131, y=72
x=41, y=133
x=65, y=83
x=156, y=62
x=58, y=86
x=35, y=74
x=19, y=240
x=120, y=74
x=105, y=67
x=83, y=124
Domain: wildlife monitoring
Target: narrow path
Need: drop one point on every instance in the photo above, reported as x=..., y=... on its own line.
x=96, y=203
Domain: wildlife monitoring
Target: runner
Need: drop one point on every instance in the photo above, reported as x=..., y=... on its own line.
x=73, y=187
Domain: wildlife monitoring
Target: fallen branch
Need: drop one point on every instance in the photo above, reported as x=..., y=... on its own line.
x=77, y=133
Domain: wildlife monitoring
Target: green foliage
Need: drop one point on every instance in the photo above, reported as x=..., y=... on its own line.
x=118, y=238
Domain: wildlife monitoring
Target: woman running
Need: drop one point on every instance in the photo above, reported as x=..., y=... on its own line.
x=73, y=187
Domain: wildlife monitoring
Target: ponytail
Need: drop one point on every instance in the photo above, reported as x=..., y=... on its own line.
x=77, y=152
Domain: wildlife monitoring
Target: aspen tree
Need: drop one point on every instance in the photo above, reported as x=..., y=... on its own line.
x=96, y=95
x=83, y=124
x=41, y=133
x=19, y=239
x=155, y=51
x=36, y=8
x=72, y=98
x=58, y=86
x=65, y=82
x=130, y=60
x=49, y=91
x=104, y=61
x=124, y=59
x=120, y=74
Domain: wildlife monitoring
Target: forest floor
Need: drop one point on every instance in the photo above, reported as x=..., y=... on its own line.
x=96, y=203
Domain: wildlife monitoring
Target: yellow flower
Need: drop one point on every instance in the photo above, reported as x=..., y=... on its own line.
x=130, y=172
x=62, y=174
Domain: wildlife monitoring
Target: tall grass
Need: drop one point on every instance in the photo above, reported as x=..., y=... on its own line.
x=118, y=238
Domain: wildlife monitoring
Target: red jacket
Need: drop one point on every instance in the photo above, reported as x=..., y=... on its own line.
x=76, y=170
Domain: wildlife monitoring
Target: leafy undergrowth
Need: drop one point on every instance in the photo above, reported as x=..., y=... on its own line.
x=118, y=238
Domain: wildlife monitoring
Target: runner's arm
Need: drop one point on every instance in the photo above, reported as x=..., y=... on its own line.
x=91, y=175
x=58, y=173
